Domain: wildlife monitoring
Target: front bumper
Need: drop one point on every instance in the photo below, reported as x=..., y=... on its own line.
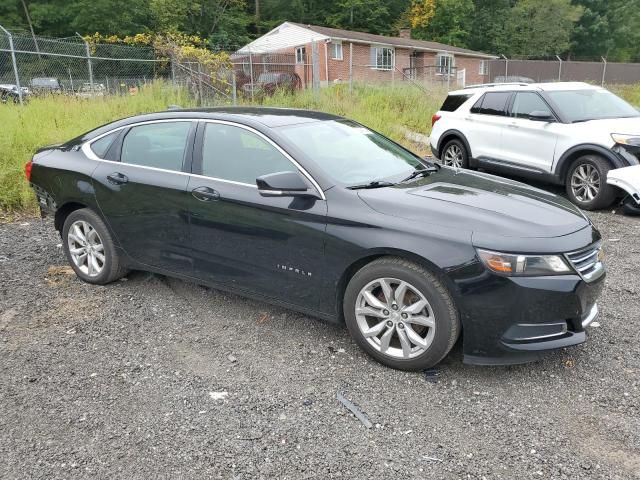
x=516, y=319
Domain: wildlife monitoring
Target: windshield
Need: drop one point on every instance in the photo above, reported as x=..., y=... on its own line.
x=350, y=153
x=591, y=104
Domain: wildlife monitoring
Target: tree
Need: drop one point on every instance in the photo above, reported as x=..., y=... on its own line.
x=488, y=25
x=449, y=23
x=221, y=21
x=539, y=28
x=608, y=28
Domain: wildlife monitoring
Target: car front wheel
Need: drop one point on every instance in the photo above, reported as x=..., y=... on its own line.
x=401, y=314
x=454, y=154
x=587, y=183
x=89, y=248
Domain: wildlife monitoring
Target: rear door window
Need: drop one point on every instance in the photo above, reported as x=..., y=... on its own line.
x=453, y=102
x=492, y=103
x=101, y=146
x=159, y=145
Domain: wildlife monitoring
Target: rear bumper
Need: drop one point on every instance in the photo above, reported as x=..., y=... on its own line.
x=515, y=320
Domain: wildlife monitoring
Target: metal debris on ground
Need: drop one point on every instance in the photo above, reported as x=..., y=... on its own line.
x=431, y=375
x=355, y=410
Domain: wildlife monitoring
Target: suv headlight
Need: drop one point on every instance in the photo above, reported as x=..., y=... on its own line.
x=514, y=265
x=622, y=139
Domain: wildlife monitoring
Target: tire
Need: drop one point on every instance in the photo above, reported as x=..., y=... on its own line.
x=106, y=269
x=630, y=207
x=422, y=285
x=597, y=194
x=454, y=154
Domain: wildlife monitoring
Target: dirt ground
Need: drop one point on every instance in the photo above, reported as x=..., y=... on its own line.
x=152, y=377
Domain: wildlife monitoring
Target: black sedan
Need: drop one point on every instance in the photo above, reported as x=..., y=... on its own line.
x=325, y=216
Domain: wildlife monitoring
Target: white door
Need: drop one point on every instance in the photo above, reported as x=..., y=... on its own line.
x=485, y=124
x=530, y=143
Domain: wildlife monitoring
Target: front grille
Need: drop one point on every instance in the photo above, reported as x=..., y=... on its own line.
x=586, y=261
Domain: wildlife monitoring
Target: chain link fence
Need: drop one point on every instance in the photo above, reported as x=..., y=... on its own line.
x=31, y=65
x=558, y=70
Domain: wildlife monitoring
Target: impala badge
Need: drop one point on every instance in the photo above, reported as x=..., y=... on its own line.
x=288, y=268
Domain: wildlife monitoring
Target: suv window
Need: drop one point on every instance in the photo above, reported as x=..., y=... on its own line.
x=453, y=102
x=159, y=145
x=492, y=103
x=236, y=154
x=527, y=102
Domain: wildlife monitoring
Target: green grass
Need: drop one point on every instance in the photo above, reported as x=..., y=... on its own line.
x=390, y=110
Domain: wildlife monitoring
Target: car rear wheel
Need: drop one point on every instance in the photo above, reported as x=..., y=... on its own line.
x=90, y=249
x=400, y=314
x=587, y=183
x=454, y=154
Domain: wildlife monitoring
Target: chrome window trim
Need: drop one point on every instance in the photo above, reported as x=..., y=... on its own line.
x=86, y=149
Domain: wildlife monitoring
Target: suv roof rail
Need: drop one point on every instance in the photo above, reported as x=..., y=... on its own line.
x=479, y=85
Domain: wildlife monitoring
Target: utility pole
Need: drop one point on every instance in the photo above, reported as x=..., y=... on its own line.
x=33, y=34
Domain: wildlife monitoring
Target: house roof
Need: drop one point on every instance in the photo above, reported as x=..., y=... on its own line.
x=363, y=37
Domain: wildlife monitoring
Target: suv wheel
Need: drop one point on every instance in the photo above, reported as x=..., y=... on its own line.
x=454, y=154
x=90, y=249
x=400, y=314
x=587, y=183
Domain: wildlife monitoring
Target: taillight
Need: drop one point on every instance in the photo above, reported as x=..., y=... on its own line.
x=27, y=170
x=434, y=118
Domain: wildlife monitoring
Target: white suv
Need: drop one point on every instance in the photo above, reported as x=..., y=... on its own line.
x=565, y=133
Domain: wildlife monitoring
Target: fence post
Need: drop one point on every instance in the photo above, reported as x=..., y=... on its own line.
x=559, y=68
x=90, y=67
x=350, y=67
x=251, y=73
x=506, y=67
x=604, y=70
x=315, y=69
x=15, y=65
x=233, y=85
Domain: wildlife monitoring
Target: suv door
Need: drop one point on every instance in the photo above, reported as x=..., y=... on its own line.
x=530, y=143
x=272, y=246
x=142, y=192
x=485, y=125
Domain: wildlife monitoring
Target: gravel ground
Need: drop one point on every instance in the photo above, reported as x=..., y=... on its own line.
x=125, y=381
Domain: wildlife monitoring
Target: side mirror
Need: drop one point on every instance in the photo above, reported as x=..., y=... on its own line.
x=284, y=184
x=541, y=116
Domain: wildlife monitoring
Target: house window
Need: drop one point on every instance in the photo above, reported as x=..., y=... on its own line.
x=484, y=67
x=335, y=47
x=382, y=58
x=300, y=55
x=444, y=63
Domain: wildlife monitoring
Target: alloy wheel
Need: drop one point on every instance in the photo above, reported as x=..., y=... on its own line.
x=453, y=156
x=585, y=182
x=395, y=318
x=86, y=248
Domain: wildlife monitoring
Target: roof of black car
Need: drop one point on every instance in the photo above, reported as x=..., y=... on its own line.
x=268, y=116
x=257, y=117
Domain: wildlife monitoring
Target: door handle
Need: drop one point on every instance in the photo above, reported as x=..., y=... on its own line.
x=205, y=194
x=512, y=125
x=117, y=178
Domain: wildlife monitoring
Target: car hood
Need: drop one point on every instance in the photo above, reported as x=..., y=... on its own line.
x=478, y=202
x=629, y=125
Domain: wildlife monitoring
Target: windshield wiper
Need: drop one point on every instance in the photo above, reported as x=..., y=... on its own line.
x=374, y=184
x=420, y=173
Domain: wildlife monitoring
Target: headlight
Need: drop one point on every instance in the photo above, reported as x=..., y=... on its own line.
x=633, y=140
x=513, y=265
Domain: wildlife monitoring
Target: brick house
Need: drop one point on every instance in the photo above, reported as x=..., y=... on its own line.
x=338, y=55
